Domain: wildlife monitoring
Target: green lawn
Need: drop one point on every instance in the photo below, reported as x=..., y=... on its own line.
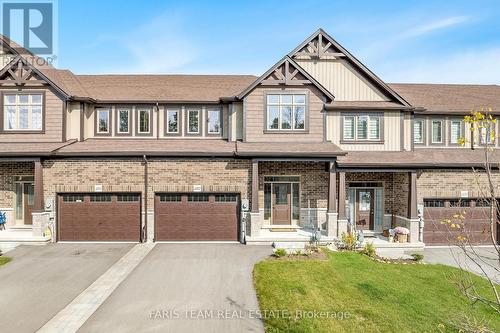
x=4, y=260
x=379, y=297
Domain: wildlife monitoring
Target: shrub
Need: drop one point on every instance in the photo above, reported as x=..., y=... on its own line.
x=417, y=256
x=369, y=250
x=279, y=253
x=348, y=242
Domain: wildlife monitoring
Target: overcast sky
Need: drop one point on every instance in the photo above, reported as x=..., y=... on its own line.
x=401, y=41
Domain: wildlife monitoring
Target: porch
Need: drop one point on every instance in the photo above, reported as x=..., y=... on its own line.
x=21, y=203
x=297, y=201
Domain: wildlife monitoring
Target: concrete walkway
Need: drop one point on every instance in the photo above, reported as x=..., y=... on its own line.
x=450, y=255
x=42, y=280
x=185, y=288
x=73, y=316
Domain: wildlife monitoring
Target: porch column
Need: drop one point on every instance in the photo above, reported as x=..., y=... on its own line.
x=255, y=186
x=342, y=213
x=412, y=196
x=255, y=217
x=414, y=221
x=332, y=190
x=38, y=195
x=331, y=214
x=342, y=217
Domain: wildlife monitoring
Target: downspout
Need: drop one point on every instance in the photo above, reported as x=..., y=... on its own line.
x=145, y=228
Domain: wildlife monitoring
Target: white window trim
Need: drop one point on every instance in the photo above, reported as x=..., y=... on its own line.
x=355, y=132
x=279, y=105
x=139, y=111
x=98, y=112
x=422, y=131
x=17, y=104
x=432, y=130
x=118, y=111
x=178, y=111
x=188, y=116
x=219, y=118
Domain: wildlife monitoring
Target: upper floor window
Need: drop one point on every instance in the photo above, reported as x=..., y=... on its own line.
x=173, y=121
x=456, y=131
x=362, y=128
x=193, y=122
x=23, y=112
x=487, y=135
x=437, y=131
x=144, y=121
x=103, y=120
x=213, y=121
x=123, y=121
x=286, y=112
x=418, y=131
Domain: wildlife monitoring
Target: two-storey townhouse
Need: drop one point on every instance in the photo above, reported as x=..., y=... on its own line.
x=316, y=143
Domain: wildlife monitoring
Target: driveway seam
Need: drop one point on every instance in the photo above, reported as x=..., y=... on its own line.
x=76, y=313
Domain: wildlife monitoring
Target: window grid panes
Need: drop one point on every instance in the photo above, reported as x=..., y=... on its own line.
x=226, y=198
x=435, y=203
x=23, y=112
x=73, y=198
x=418, y=131
x=286, y=112
x=455, y=131
x=102, y=120
x=100, y=198
x=362, y=128
x=213, y=120
x=193, y=121
x=437, y=131
x=123, y=120
x=127, y=198
x=198, y=197
x=172, y=121
x=170, y=197
x=144, y=121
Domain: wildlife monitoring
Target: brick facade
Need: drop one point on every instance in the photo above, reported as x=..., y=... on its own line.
x=449, y=183
x=164, y=175
x=8, y=170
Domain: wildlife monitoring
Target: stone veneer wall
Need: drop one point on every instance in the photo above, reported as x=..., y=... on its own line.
x=434, y=183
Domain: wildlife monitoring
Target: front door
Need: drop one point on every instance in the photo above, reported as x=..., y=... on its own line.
x=25, y=200
x=365, y=209
x=282, y=207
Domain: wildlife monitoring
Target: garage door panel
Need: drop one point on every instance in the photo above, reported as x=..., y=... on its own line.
x=90, y=220
x=476, y=225
x=185, y=220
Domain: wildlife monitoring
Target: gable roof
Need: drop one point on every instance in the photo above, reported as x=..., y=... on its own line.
x=334, y=49
x=286, y=61
x=163, y=88
x=450, y=98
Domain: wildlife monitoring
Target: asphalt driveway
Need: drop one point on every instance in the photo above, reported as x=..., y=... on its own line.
x=453, y=256
x=42, y=280
x=185, y=288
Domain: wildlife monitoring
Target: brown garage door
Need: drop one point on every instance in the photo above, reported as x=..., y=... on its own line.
x=476, y=223
x=196, y=217
x=99, y=217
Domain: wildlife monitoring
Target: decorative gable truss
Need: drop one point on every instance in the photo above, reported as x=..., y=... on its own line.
x=18, y=73
x=286, y=73
x=318, y=48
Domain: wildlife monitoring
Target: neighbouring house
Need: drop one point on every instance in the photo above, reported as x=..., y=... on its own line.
x=318, y=142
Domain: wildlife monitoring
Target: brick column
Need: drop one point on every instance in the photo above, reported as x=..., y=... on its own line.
x=412, y=195
x=342, y=217
x=38, y=199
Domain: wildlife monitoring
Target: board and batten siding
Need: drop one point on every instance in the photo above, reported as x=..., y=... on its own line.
x=342, y=80
x=53, y=119
x=392, y=133
x=255, y=112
